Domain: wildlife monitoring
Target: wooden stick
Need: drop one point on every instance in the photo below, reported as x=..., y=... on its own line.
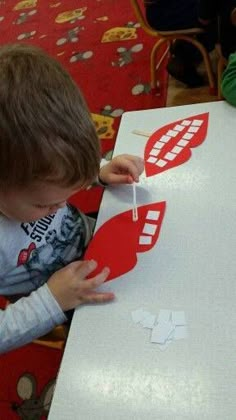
x=141, y=133
x=135, y=210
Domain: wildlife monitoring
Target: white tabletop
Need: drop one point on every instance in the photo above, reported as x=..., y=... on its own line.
x=110, y=370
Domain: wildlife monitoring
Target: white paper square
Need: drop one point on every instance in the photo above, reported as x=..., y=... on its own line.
x=170, y=156
x=178, y=127
x=149, y=229
x=182, y=142
x=151, y=159
x=197, y=122
x=153, y=215
x=161, y=163
x=172, y=133
x=187, y=136
x=165, y=138
x=178, y=318
x=145, y=240
x=185, y=123
x=149, y=321
x=154, y=152
x=171, y=336
x=164, y=315
x=161, y=332
x=137, y=315
x=193, y=129
x=177, y=149
x=159, y=145
x=180, y=332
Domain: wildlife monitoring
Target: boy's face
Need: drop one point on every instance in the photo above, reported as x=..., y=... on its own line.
x=33, y=203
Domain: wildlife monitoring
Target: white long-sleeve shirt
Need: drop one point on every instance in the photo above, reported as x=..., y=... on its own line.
x=29, y=254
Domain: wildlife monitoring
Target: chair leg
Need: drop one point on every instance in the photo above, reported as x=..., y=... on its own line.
x=219, y=74
x=207, y=62
x=222, y=63
x=153, y=64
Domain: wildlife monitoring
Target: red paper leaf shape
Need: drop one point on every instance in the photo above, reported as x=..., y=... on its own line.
x=171, y=145
x=117, y=241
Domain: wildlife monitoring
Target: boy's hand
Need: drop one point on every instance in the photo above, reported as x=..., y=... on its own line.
x=70, y=287
x=123, y=169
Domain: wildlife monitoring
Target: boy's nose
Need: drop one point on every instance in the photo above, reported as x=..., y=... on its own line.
x=58, y=206
x=63, y=204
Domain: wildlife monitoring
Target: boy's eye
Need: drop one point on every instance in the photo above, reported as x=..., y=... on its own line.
x=39, y=206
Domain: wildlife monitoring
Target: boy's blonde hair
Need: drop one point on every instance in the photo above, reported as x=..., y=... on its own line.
x=46, y=132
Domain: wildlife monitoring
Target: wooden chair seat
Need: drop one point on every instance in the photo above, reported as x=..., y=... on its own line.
x=167, y=37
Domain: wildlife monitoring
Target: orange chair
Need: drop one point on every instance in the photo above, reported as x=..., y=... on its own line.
x=188, y=35
x=55, y=339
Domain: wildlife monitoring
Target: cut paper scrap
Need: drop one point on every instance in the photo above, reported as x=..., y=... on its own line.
x=170, y=146
x=146, y=319
x=117, y=241
x=166, y=328
x=161, y=332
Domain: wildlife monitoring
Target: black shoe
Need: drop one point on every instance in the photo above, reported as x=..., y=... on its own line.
x=185, y=74
x=185, y=52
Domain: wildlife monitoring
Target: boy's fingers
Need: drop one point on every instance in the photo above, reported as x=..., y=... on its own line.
x=96, y=281
x=74, y=266
x=131, y=169
x=134, y=166
x=85, y=268
x=98, y=297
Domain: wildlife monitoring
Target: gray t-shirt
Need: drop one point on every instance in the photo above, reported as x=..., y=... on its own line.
x=29, y=254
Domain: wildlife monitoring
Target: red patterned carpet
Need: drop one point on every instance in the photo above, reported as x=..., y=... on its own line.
x=107, y=53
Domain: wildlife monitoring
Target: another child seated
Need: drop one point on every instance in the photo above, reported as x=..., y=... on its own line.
x=216, y=17
x=48, y=150
x=228, y=82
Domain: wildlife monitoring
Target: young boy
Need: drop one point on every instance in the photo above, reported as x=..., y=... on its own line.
x=48, y=150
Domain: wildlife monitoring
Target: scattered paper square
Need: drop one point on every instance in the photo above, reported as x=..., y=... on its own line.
x=164, y=315
x=138, y=315
x=148, y=322
x=180, y=332
x=171, y=325
x=178, y=318
x=161, y=332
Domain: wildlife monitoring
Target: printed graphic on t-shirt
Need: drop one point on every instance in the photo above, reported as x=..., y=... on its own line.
x=36, y=230
x=60, y=247
x=25, y=253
